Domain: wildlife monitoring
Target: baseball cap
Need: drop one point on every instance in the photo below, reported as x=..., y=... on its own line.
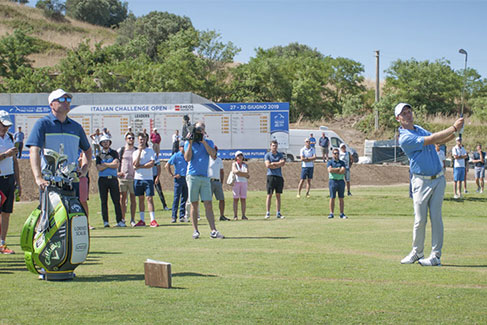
x=58, y=93
x=238, y=153
x=458, y=139
x=105, y=138
x=399, y=107
x=5, y=118
x=306, y=140
x=343, y=145
x=154, y=129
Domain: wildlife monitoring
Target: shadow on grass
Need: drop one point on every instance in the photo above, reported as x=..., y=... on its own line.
x=467, y=266
x=103, y=253
x=259, y=237
x=111, y=278
x=182, y=274
x=467, y=198
x=127, y=236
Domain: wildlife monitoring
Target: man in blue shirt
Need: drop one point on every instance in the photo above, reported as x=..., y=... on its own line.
x=428, y=182
x=19, y=141
x=180, y=186
x=312, y=141
x=274, y=160
x=197, y=152
x=324, y=144
x=336, y=183
x=55, y=129
x=107, y=162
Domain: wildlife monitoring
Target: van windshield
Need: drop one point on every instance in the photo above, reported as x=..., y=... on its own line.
x=335, y=142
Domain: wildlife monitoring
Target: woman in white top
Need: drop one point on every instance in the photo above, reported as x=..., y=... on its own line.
x=241, y=171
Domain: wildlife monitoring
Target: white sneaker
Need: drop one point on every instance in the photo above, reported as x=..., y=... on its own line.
x=196, y=234
x=430, y=261
x=121, y=224
x=216, y=234
x=411, y=258
x=133, y=223
x=481, y=191
x=456, y=197
x=267, y=215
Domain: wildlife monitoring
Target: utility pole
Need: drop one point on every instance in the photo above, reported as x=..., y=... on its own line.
x=377, y=85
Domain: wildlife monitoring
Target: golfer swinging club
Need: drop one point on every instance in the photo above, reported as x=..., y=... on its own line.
x=428, y=182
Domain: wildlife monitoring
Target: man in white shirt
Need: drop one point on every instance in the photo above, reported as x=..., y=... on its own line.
x=216, y=173
x=144, y=159
x=308, y=156
x=9, y=178
x=441, y=156
x=459, y=154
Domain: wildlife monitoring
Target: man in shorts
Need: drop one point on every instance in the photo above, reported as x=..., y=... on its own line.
x=459, y=154
x=274, y=161
x=125, y=175
x=479, y=162
x=346, y=157
x=324, y=144
x=9, y=178
x=144, y=159
x=197, y=152
x=216, y=173
x=308, y=156
x=336, y=184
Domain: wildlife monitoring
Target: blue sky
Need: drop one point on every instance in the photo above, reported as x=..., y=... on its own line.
x=354, y=29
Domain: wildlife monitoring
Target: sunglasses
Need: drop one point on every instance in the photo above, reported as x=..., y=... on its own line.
x=336, y=153
x=130, y=138
x=64, y=99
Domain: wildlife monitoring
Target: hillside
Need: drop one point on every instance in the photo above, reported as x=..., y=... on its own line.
x=55, y=37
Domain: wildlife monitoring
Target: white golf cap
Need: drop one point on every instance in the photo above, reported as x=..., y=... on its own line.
x=343, y=145
x=58, y=93
x=105, y=138
x=399, y=107
x=238, y=153
x=5, y=118
x=306, y=140
x=154, y=129
x=458, y=139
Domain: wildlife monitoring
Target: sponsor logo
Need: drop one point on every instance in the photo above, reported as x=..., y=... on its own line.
x=81, y=247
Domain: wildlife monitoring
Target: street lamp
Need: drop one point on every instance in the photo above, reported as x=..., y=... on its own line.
x=462, y=51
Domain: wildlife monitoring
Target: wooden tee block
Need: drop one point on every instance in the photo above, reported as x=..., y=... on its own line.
x=157, y=274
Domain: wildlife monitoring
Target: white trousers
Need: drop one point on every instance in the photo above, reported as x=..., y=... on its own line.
x=428, y=195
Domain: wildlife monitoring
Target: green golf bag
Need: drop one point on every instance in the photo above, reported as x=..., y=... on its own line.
x=55, y=237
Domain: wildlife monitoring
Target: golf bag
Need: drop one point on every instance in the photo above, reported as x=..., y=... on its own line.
x=55, y=237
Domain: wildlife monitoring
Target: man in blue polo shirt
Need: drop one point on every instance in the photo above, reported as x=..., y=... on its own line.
x=428, y=182
x=274, y=160
x=336, y=183
x=52, y=130
x=197, y=152
x=180, y=185
x=107, y=162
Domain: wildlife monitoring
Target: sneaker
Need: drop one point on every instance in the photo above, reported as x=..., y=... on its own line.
x=478, y=190
x=5, y=250
x=331, y=216
x=279, y=216
x=298, y=196
x=430, y=261
x=196, y=234
x=465, y=191
x=267, y=215
x=91, y=227
x=121, y=224
x=106, y=224
x=132, y=223
x=173, y=220
x=411, y=258
x=245, y=218
x=216, y=234
x=223, y=218
x=182, y=220
x=140, y=224
x=456, y=197
x=481, y=191
x=154, y=224
x=349, y=193
x=166, y=208
x=308, y=196
x=343, y=216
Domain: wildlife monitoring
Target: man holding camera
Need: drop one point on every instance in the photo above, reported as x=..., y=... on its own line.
x=197, y=152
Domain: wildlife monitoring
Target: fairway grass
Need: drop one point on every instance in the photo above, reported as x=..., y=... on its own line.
x=304, y=269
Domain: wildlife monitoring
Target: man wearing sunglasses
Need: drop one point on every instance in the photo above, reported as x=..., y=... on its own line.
x=125, y=175
x=53, y=130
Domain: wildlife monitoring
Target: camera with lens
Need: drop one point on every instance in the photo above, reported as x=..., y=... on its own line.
x=196, y=133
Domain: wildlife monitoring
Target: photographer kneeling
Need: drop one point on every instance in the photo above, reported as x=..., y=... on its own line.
x=197, y=152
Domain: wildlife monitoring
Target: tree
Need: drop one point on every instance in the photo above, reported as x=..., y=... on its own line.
x=20, y=1
x=434, y=85
x=14, y=49
x=155, y=28
x=53, y=9
x=98, y=12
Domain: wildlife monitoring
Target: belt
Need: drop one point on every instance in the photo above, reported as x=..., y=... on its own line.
x=215, y=179
x=108, y=177
x=430, y=177
x=6, y=176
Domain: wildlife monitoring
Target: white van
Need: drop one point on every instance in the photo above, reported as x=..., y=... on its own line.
x=296, y=142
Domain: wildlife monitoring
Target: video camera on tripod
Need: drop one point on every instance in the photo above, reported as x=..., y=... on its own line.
x=196, y=133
